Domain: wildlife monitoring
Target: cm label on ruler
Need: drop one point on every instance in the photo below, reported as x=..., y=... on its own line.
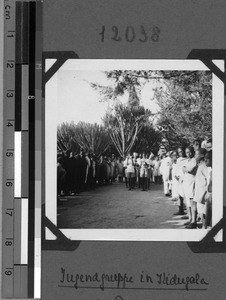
x=7, y=11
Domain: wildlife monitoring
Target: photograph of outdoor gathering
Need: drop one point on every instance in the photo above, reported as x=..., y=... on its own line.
x=134, y=149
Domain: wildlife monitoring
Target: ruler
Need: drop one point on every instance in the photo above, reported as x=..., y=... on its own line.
x=22, y=104
x=8, y=213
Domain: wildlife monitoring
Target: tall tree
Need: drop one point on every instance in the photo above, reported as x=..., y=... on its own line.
x=184, y=99
x=125, y=121
x=185, y=107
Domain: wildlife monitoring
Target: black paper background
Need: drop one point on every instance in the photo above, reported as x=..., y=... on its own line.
x=73, y=25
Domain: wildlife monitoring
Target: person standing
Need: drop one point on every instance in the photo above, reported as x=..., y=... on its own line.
x=125, y=170
x=61, y=173
x=78, y=174
x=200, y=188
x=174, y=181
x=208, y=216
x=67, y=167
x=130, y=170
x=156, y=170
x=139, y=158
x=108, y=169
x=143, y=173
x=93, y=170
x=189, y=170
x=119, y=167
x=113, y=163
x=88, y=164
x=72, y=173
x=179, y=175
x=149, y=165
x=84, y=166
x=112, y=166
x=136, y=169
x=165, y=171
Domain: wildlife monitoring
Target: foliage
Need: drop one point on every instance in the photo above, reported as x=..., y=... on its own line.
x=92, y=138
x=66, y=138
x=147, y=140
x=124, y=124
x=123, y=81
x=185, y=107
x=184, y=99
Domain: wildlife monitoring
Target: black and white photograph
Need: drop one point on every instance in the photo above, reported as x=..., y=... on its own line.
x=130, y=149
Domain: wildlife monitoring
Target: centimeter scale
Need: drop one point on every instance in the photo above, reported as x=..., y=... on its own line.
x=22, y=133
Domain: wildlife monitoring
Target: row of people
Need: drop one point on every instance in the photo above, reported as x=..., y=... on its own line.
x=188, y=174
x=83, y=170
x=141, y=169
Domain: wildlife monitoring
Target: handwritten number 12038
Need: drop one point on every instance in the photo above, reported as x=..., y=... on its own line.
x=130, y=34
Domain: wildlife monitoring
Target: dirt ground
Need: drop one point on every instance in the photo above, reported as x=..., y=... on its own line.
x=114, y=206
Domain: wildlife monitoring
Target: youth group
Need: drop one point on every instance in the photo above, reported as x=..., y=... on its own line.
x=186, y=175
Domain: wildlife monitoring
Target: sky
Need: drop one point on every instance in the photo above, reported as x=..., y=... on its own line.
x=78, y=101
x=73, y=99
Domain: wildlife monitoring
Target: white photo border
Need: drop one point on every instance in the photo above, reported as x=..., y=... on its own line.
x=184, y=235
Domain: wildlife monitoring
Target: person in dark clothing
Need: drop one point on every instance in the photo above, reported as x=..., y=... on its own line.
x=66, y=165
x=94, y=178
x=102, y=171
x=71, y=173
x=61, y=173
x=83, y=170
x=90, y=172
x=97, y=172
x=78, y=174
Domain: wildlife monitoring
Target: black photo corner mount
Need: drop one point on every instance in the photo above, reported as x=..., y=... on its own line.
x=208, y=244
x=62, y=243
x=61, y=57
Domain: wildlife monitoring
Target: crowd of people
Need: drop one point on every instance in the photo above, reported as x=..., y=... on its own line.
x=79, y=172
x=186, y=175
x=187, y=178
